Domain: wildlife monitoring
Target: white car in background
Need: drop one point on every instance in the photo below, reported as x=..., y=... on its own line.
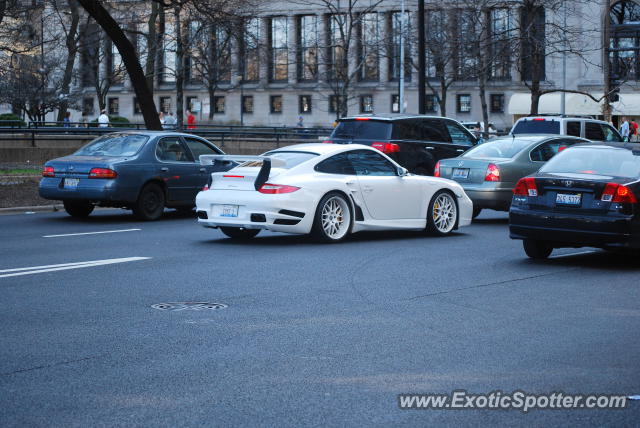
x=328, y=190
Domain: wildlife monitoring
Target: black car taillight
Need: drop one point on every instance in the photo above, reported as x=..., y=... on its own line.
x=618, y=193
x=526, y=187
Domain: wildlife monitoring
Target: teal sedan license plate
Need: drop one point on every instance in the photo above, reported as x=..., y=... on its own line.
x=460, y=173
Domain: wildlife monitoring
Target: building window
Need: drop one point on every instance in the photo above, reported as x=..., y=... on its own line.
x=193, y=104
x=247, y=104
x=250, y=50
x=533, y=46
x=338, y=65
x=275, y=103
x=136, y=106
x=335, y=104
x=115, y=64
x=304, y=104
x=88, y=106
x=168, y=68
x=279, y=61
x=394, y=60
x=222, y=54
x=366, y=104
x=369, y=46
x=467, y=44
x=113, y=106
x=437, y=37
x=308, y=48
x=497, y=103
x=624, y=56
x=165, y=104
x=500, y=52
x=218, y=104
x=196, y=39
x=430, y=103
x=463, y=103
x=395, y=103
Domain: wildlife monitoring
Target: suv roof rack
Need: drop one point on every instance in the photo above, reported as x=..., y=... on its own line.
x=564, y=116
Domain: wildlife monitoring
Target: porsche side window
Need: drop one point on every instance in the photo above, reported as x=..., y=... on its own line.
x=338, y=164
x=366, y=162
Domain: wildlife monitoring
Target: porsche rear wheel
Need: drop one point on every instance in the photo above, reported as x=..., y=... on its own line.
x=239, y=233
x=332, y=222
x=442, y=216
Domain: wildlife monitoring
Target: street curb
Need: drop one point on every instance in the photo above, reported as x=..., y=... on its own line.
x=33, y=209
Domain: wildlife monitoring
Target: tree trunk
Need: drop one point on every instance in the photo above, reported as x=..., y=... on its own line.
x=130, y=59
x=482, y=86
x=72, y=49
x=443, y=98
x=179, y=68
x=211, y=88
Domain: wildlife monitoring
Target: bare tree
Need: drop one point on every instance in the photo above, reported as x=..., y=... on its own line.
x=130, y=59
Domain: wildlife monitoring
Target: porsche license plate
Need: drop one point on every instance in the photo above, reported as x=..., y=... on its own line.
x=71, y=183
x=460, y=173
x=229, y=211
x=568, y=199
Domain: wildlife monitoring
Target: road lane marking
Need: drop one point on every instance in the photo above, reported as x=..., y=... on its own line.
x=91, y=233
x=559, y=256
x=66, y=266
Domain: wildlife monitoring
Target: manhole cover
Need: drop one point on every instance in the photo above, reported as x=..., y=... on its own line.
x=188, y=306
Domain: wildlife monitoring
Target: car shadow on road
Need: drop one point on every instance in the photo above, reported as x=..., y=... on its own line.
x=115, y=216
x=479, y=221
x=592, y=258
x=356, y=238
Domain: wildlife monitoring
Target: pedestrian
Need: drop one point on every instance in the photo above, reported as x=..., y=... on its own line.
x=84, y=122
x=493, y=132
x=103, y=119
x=624, y=129
x=162, y=120
x=66, y=122
x=633, y=130
x=300, y=123
x=170, y=121
x=191, y=120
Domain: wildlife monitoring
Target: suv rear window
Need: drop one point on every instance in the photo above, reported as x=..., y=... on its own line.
x=537, y=126
x=588, y=160
x=362, y=130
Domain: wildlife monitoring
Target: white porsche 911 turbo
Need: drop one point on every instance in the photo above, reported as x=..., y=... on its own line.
x=328, y=190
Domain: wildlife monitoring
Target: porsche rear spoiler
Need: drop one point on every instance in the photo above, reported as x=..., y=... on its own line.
x=265, y=170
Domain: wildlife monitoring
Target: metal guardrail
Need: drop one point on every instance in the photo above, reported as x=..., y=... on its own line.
x=216, y=132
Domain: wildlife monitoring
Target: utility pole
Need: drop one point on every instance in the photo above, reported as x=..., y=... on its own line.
x=563, y=95
x=402, y=30
x=422, y=64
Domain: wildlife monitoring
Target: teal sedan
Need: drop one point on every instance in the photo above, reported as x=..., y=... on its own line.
x=489, y=172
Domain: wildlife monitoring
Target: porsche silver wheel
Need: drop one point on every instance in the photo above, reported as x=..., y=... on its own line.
x=333, y=218
x=443, y=213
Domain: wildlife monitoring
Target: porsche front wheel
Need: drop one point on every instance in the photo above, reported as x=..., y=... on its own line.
x=442, y=216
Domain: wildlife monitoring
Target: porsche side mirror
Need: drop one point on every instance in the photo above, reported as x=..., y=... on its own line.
x=402, y=171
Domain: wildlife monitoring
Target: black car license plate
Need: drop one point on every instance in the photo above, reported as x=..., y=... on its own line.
x=569, y=199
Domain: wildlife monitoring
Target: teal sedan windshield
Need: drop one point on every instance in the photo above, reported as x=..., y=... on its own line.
x=114, y=145
x=505, y=148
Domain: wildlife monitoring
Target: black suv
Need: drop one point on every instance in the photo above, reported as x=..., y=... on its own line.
x=415, y=142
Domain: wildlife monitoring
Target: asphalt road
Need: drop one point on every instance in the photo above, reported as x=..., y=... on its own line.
x=323, y=335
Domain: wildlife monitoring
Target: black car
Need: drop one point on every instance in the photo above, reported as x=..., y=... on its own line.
x=415, y=142
x=145, y=171
x=585, y=196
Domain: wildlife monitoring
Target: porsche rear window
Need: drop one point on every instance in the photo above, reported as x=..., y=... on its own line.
x=506, y=148
x=114, y=145
x=612, y=161
x=290, y=159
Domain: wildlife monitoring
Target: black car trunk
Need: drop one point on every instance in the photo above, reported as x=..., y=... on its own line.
x=575, y=193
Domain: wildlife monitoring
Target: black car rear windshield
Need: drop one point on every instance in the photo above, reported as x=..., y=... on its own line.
x=537, y=126
x=612, y=161
x=362, y=130
x=505, y=148
x=114, y=145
